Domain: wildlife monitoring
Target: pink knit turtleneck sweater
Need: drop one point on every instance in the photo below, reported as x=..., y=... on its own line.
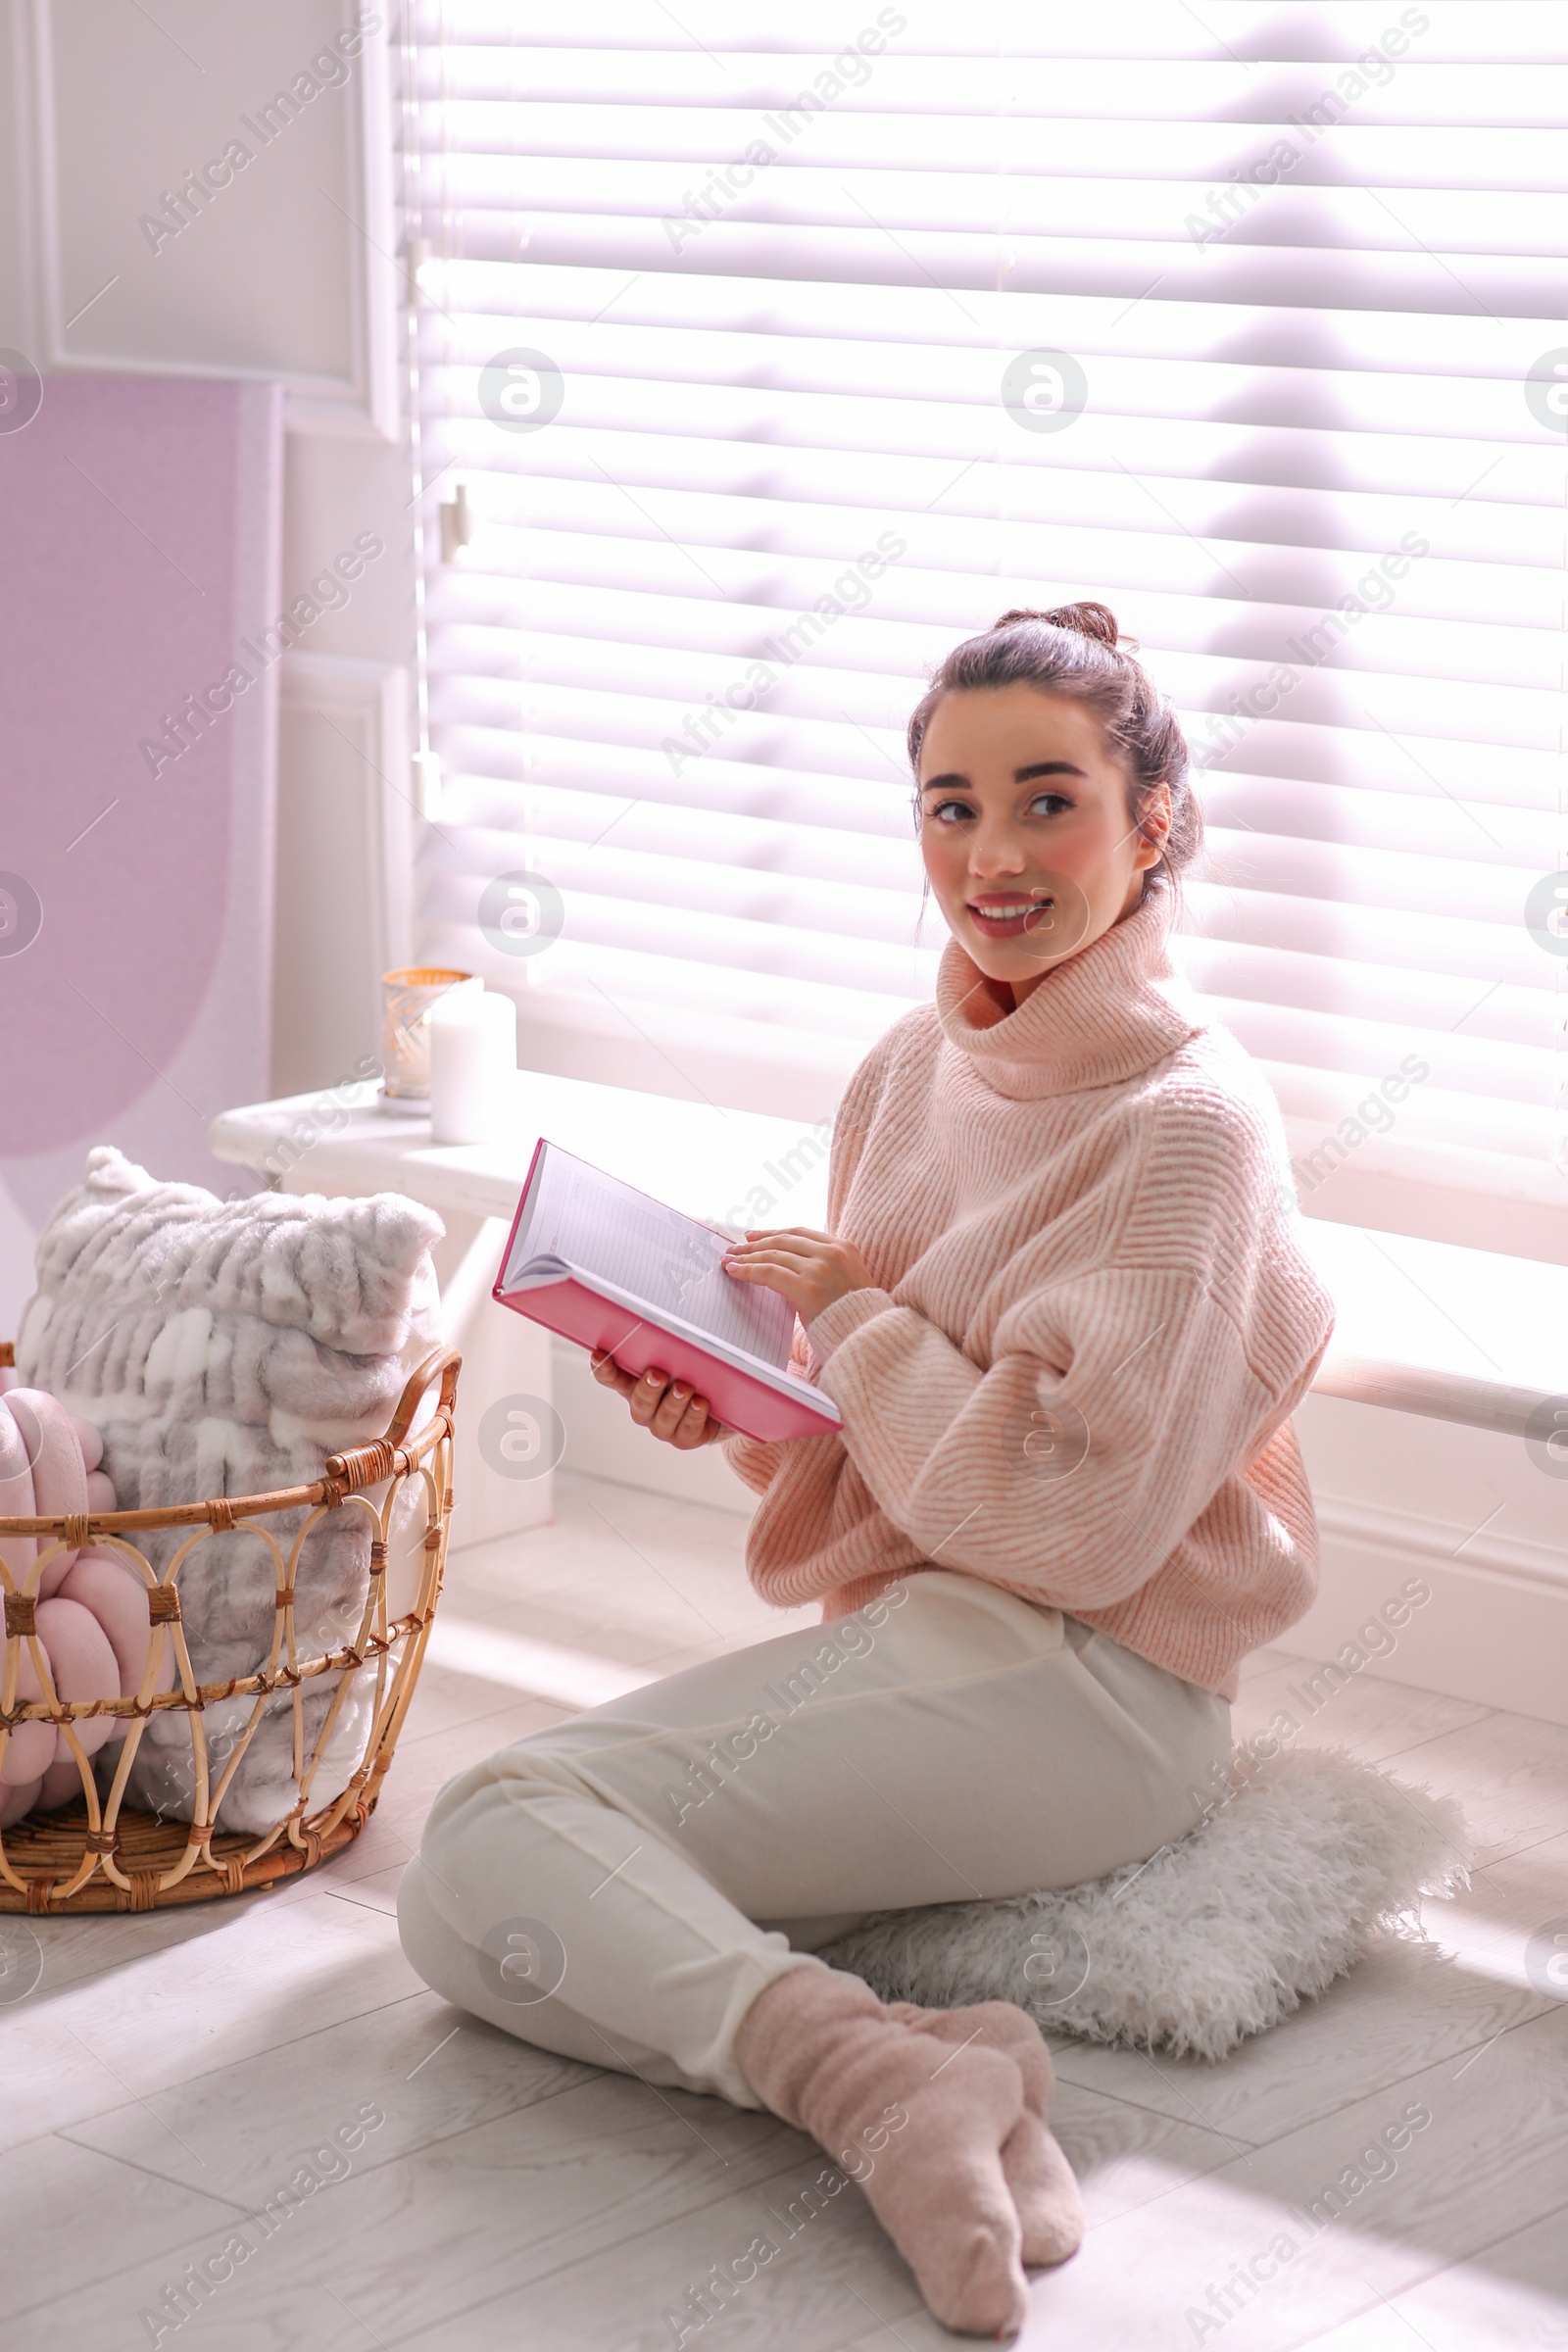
x=1091, y=1324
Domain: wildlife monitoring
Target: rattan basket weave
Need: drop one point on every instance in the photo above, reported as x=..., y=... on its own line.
x=97, y=1854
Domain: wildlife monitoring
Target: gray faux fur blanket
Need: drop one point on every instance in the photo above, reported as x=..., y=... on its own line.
x=227, y=1347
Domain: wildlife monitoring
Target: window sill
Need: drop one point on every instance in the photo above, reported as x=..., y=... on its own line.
x=1425, y=1327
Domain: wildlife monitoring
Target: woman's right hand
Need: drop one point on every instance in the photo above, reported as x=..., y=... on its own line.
x=668, y=1408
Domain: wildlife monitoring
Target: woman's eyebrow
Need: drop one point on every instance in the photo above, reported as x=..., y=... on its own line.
x=1020, y=776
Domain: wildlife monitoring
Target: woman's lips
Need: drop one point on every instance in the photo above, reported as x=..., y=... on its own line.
x=1008, y=918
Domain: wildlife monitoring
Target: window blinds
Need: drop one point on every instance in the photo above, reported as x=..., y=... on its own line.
x=759, y=355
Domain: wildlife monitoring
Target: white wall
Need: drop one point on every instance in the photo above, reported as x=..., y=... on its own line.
x=1465, y=1513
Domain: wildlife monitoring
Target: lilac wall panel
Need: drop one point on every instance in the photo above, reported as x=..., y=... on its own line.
x=139, y=522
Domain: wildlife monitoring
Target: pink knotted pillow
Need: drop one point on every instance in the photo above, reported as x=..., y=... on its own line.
x=92, y=1618
x=62, y=1455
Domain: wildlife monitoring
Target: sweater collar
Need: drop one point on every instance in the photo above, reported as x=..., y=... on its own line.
x=1097, y=1020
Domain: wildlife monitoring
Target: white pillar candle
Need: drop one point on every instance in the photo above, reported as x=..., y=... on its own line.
x=473, y=1062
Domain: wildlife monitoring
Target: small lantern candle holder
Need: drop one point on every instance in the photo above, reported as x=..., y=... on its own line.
x=406, y=1001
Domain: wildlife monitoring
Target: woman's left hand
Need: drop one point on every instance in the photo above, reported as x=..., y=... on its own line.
x=810, y=1270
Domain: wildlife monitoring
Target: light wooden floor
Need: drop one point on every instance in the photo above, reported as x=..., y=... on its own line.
x=169, y=2074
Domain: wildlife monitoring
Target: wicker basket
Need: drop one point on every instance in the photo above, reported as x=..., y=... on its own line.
x=98, y=1855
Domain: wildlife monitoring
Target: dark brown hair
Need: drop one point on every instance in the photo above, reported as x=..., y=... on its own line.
x=1077, y=651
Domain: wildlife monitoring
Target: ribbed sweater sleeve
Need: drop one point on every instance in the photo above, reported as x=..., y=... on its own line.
x=1114, y=1405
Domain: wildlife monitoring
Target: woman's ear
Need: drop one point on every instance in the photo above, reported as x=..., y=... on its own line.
x=1153, y=828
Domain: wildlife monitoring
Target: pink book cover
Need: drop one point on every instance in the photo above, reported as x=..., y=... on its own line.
x=611, y=1267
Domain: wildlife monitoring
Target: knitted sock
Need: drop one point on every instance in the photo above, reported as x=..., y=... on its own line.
x=1037, y=2171
x=923, y=2141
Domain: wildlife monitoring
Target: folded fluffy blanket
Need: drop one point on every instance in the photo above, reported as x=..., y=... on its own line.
x=227, y=1347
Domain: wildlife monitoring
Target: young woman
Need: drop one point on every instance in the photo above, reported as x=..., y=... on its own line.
x=1065, y=1325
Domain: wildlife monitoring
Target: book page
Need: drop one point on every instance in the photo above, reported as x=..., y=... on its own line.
x=606, y=1228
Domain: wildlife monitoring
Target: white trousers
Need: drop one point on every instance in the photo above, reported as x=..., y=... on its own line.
x=620, y=1887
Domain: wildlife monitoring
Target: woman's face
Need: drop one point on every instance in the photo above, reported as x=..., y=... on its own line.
x=1025, y=832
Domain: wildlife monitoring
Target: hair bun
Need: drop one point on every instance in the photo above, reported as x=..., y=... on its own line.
x=1089, y=618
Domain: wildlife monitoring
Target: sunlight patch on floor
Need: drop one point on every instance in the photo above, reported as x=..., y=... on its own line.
x=571, y=1677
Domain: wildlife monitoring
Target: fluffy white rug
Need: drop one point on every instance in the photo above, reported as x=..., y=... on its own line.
x=1277, y=1894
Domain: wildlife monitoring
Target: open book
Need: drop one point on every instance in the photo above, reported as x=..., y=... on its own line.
x=602, y=1264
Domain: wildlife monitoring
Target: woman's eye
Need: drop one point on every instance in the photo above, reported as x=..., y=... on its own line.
x=950, y=813
x=1049, y=804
